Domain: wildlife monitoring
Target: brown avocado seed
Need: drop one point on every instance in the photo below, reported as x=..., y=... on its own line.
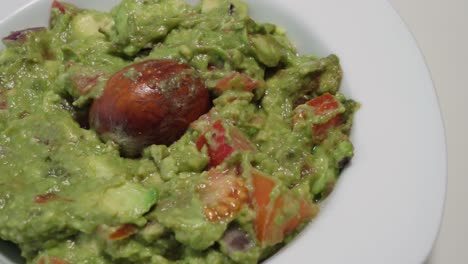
x=150, y=102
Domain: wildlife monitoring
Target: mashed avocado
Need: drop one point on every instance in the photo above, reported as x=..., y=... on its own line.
x=241, y=182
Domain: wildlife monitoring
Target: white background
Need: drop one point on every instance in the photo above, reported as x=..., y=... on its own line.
x=441, y=30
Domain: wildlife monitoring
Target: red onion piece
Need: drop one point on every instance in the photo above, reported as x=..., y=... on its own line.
x=21, y=34
x=235, y=239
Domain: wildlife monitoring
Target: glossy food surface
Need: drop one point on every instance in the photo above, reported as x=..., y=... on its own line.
x=150, y=102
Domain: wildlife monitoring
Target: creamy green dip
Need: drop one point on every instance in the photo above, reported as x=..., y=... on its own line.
x=66, y=196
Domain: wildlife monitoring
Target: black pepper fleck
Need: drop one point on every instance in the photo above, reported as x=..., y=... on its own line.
x=232, y=9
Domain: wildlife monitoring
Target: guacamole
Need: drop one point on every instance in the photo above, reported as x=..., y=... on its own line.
x=233, y=184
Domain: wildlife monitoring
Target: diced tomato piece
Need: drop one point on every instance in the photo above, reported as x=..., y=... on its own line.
x=306, y=212
x=201, y=141
x=3, y=105
x=203, y=123
x=50, y=197
x=122, y=232
x=324, y=104
x=223, y=84
x=263, y=187
x=321, y=130
x=84, y=83
x=222, y=149
x=223, y=194
x=237, y=81
x=240, y=141
x=219, y=148
x=56, y=4
x=55, y=260
x=268, y=231
x=3, y=100
x=52, y=260
x=45, y=198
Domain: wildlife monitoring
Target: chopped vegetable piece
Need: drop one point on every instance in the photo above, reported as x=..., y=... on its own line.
x=235, y=239
x=222, y=145
x=321, y=130
x=21, y=34
x=85, y=83
x=52, y=260
x=237, y=81
x=128, y=201
x=50, y=197
x=223, y=194
x=56, y=4
x=274, y=218
x=123, y=231
x=324, y=104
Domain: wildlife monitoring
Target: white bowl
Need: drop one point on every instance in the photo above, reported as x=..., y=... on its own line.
x=388, y=204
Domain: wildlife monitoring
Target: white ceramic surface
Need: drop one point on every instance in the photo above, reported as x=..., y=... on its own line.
x=388, y=204
x=442, y=36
